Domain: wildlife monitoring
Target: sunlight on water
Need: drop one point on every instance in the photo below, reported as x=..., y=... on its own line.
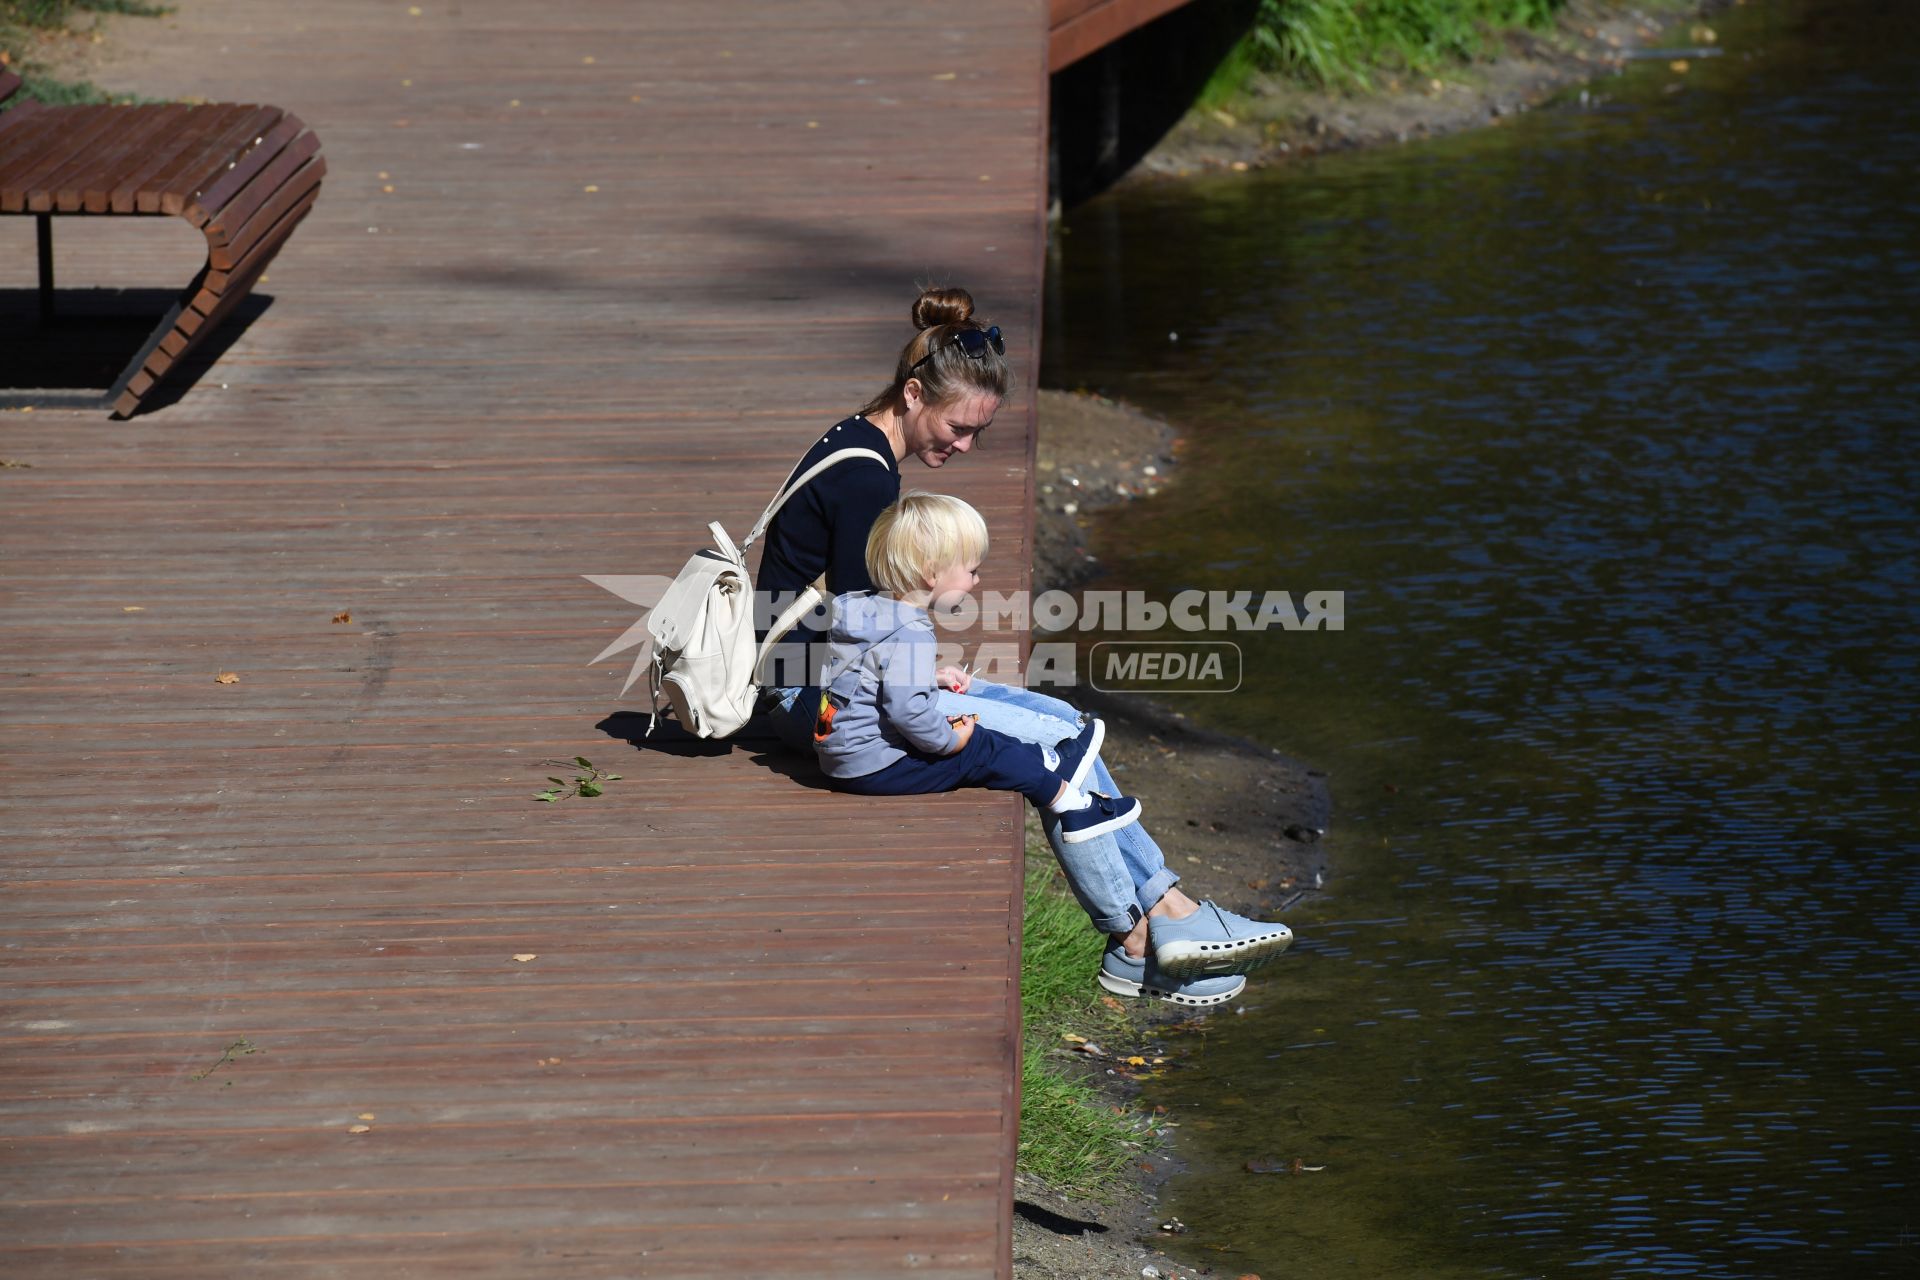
x=1604, y=423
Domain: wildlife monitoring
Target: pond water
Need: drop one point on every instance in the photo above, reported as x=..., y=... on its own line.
x=1603, y=421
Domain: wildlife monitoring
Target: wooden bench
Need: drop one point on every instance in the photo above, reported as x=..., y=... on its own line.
x=244, y=175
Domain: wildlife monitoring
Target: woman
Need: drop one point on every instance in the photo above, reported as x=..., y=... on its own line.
x=949, y=382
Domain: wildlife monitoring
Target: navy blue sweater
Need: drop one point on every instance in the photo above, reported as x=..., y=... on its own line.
x=824, y=527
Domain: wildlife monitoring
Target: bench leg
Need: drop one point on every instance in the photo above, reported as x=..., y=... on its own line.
x=45, y=228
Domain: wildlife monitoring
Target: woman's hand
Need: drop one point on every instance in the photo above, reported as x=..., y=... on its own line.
x=958, y=679
x=963, y=729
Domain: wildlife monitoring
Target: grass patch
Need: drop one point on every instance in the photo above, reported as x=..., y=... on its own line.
x=1343, y=44
x=27, y=25
x=1070, y=1135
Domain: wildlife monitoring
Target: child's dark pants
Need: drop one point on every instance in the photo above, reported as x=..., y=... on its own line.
x=989, y=759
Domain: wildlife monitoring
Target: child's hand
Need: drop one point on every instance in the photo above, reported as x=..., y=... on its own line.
x=958, y=679
x=963, y=729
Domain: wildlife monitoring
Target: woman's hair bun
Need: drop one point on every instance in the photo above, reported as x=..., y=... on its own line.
x=937, y=306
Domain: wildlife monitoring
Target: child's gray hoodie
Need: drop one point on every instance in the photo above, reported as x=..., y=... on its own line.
x=879, y=675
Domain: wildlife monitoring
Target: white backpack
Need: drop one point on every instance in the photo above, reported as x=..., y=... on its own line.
x=704, y=659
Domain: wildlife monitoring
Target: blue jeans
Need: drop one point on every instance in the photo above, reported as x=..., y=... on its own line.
x=1116, y=877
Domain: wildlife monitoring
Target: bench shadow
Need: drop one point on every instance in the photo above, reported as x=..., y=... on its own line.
x=75, y=360
x=668, y=738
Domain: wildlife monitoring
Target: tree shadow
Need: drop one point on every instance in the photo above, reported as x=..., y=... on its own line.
x=76, y=359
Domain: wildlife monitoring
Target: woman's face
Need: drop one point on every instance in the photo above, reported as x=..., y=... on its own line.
x=935, y=432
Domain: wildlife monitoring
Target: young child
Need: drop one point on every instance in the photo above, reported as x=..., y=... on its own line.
x=880, y=732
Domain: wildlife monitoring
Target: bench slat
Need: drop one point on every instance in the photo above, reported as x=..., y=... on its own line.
x=44, y=190
x=146, y=126
x=13, y=131
x=200, y=162
x=214, y=158
x=50, y=148
x=225, y=257
x=212, y=200
x=226, y=228
x=267, y=242
x=124, y=198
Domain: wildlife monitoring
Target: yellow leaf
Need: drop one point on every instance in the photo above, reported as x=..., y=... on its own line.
x=590, y=189
x=133, y=608
x=524, y=956
x=359, y=1128
x=1071, y=1038
x=1678, y=66
x=366, y=1115
x=227, y=677
x=1136, y=1061
x=946, y=75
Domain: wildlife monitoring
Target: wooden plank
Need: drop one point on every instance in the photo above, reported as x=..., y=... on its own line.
x=229, y=228
x=1081, y=27
x=208, y=151
x=298, y=185
x=19, y=127
x=168, y=154
x=144, y=126
x=173, y=199
x=52, y=145
x=208, y=203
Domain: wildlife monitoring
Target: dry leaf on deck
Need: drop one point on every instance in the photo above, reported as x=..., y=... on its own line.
x=227, y=677
x=524, y=956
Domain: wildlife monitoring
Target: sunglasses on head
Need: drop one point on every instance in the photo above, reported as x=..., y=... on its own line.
x=973, y=344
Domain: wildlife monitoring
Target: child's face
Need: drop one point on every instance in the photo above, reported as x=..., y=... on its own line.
x=954, y=583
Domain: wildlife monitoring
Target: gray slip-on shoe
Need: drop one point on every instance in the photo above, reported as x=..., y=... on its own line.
x=1214, y=940
x=1124, y=975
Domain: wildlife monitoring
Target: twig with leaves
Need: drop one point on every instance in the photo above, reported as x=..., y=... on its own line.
x=238, y=1049
x=583, y=784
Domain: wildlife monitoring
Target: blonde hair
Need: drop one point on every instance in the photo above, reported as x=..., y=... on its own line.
x=920, y=537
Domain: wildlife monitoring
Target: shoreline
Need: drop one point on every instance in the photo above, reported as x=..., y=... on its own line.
x=1272, y=121
x=1219, y=805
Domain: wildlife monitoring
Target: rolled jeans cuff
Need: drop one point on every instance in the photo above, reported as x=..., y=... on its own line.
x=1153, y=890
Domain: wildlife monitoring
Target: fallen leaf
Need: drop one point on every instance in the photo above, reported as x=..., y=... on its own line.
x=366, y=1115
x=343, y=617
x=227, y=677
x=1136, y=1061
x=946, y=75
x=524, y=956
x=359, y=1128
x=590, y=188
x=133, y=608
x=1112, y=1004
x=1678, y=66
x=1072, y=1038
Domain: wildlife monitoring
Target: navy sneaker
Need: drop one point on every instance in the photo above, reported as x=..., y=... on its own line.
x=1125, y=975
x=1078, y=753
x=1102, y=814
x=1213, y=940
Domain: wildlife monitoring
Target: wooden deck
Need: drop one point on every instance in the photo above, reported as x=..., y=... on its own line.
x=585, y=275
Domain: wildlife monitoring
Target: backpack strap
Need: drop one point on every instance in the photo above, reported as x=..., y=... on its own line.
x=800, y=482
